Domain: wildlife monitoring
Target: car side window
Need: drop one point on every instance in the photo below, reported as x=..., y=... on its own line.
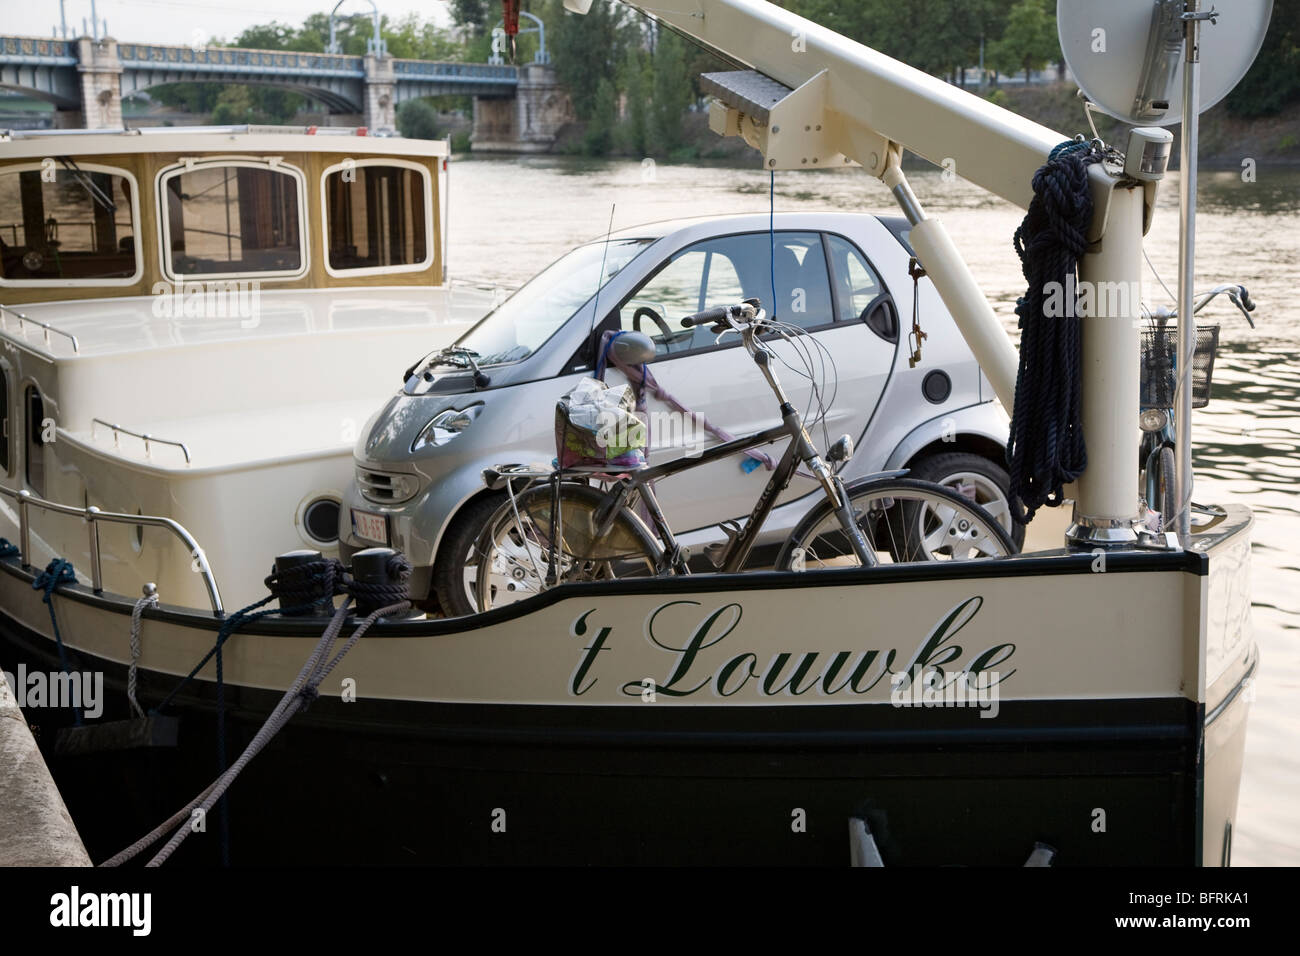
x=856, y=283
x=725, y=271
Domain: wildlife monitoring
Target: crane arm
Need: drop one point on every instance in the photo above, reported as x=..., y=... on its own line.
x=853, y=100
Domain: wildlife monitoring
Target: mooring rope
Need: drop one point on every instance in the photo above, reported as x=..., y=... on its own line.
x=57, y=572
x=305, y=586
x=149, y=600
x=303, y=690
x=1046, y=449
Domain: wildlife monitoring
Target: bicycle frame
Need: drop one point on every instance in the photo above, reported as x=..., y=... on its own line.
x=742, y=539
x=741, y=542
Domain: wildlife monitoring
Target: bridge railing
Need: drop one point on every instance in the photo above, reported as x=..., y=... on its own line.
x=468, y=71
x=228, y=58
x=37, y=50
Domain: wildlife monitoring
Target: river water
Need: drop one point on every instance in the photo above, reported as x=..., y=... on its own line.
x=510, y=217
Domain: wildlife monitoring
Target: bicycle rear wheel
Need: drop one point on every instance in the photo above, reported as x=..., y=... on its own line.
x=905, y=521
x=515, y=546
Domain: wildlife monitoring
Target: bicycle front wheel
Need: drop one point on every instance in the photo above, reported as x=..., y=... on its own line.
x=515, y=547
x=905, y=521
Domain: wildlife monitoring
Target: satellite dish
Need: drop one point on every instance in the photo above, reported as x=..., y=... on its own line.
x=1127, y=55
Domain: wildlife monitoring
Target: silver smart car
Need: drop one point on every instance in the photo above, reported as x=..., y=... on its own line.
x=490, y=399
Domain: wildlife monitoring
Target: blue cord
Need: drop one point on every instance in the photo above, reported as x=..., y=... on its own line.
x=57, y=572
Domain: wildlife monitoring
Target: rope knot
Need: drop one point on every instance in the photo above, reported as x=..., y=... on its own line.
x=56, y=573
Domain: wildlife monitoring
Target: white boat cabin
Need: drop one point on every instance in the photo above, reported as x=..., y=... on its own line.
x=196, y=324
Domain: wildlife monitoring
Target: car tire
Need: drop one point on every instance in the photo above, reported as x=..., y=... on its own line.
x=449, y=566
x=965, y=472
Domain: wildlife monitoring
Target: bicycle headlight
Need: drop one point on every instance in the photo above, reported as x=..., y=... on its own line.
x=1153, y=419
x=445, y=426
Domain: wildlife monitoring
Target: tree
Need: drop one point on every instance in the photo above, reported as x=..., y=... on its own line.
x=636, y=129
x=673, y=91
x=1028, y=42
x=1273, y=81
x=604, y=116
x=589, y=50
x=234, y=107
x=416, y=119
x=472, y=14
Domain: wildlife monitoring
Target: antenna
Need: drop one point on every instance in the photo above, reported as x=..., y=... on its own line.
x=600, y=276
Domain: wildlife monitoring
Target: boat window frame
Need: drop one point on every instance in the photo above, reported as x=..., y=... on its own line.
x=377, y=270
x=191, y=164
x=6, y=420
x=33, y=442
x=136, y=223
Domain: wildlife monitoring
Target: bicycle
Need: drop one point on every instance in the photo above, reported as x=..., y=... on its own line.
x=1159, y=382
x=558, y=528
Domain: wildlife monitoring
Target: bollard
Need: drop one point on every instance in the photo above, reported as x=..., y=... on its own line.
x=371, y=567
x=294, y=559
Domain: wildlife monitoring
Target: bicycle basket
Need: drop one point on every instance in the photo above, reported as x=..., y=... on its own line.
x=597, y=426
x=1159, y=376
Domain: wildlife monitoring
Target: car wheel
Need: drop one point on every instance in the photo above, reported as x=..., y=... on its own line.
x=977, y=478
x=453, y=570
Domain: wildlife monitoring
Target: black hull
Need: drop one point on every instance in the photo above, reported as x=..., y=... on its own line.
x=1105, y=782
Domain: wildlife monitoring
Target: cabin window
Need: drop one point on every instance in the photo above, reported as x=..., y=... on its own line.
x=377, y=217
x=5, y=440
x=36, y=430
x=228, y=220
x=62, y=223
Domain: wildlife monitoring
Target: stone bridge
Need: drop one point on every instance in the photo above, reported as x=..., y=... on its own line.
x=515, y=108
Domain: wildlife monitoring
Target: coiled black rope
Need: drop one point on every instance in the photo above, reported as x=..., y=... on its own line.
x=1046, y=448
x=370, y=596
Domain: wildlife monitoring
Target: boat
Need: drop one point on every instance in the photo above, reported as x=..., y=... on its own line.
x=197, y=323
x=1085, y=704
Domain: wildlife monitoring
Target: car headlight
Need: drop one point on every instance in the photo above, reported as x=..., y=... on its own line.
x=445, y=426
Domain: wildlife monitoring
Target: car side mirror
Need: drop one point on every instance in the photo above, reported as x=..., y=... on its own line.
x=632, y=348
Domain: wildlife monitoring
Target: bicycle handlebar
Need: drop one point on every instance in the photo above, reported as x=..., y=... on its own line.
x=1238, y=295
x=707, y=317
x=726, y=316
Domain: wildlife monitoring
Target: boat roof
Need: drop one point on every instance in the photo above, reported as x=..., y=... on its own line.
x=127, y=325
x=226, y=139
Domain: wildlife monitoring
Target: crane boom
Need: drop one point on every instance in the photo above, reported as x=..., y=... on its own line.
x=871, y=96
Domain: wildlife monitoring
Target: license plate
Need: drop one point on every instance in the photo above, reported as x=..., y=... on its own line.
x=370, y=526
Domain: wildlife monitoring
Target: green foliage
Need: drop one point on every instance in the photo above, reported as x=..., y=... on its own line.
x=416, y=119
x=588, y=50
x=1028, y=42
x=234, y=106
x=1273, y=81
x=599, y=137
x=474, y=13
x=673, y=92
x=634, y=134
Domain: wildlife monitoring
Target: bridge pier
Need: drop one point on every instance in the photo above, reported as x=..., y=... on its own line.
x=100, y=71
x=530, y=122
x=381, y=94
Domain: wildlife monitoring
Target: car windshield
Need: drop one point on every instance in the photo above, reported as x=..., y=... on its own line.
x=521, y=324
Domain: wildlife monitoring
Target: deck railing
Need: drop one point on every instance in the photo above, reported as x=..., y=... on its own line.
x=93, y=517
